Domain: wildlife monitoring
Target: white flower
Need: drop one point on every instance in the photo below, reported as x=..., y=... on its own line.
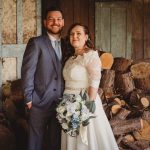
x=61, y=109
x=64, y=126
x=71, y=108
x=77, y=113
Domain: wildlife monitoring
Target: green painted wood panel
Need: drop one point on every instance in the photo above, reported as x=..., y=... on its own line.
x=113, y=28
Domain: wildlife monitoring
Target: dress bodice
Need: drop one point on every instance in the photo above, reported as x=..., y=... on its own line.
x=82, y=71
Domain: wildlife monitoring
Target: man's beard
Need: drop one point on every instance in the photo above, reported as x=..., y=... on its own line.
x=52, y=32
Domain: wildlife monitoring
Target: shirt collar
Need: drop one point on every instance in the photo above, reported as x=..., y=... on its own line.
x=52, y=38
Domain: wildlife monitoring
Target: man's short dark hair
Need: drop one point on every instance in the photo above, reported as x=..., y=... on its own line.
x=52, y=8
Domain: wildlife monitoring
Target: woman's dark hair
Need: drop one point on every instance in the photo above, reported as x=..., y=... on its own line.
x=52, y=8
x=89, y=44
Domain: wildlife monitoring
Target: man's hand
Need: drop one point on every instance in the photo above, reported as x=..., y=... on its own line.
x=29, y=105
x=91, y=105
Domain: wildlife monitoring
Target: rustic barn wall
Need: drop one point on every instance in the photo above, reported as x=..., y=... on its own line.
x=146, y=28
x=113, y=28
x=141, y=29
x=9, y=21
x=19, y=20
x=29, y=19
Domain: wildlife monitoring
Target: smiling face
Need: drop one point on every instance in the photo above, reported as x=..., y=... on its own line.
x=54, y=22
x=78, y=37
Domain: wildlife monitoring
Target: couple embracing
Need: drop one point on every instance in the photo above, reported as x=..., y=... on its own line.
x=53, y=67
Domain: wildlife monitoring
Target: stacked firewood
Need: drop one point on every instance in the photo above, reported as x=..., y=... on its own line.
x=7, y=136
x=14, y=109
x=125, y=93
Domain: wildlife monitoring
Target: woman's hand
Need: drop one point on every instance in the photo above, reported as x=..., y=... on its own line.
x=91, y=105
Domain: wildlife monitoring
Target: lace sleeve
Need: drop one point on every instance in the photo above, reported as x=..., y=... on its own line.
x=93, y=65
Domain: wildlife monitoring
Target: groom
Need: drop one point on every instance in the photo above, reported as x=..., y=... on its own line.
x=42, y=81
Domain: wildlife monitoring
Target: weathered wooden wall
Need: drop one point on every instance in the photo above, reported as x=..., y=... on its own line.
x=84, y=11
x=141, y=29
x=19, y=20
x=113, y=28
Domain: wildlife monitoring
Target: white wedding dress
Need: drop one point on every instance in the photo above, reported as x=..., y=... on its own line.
x=80, y=73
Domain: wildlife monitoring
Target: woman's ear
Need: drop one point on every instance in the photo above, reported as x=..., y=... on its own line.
x=87, y=37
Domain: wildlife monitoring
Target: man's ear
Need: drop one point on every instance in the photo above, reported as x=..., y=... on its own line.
x=44, y=23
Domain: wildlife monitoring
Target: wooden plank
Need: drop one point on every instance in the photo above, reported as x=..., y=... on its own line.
x=38, y=18
x=129, y=32
x=116, y=4
x=91, y=19
x=98, y=26
x=68, y=11
x=29, y=19
x=146, y=28
x=137, y=29
x=19, y=22
x=9, y=71
x=84, y=12
x=77, y=10
x=9, y=22
x=13, y=50
x=105, y=29
x=118, y=32
x=1, y=6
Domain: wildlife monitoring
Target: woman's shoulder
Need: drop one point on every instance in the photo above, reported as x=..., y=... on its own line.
x=91, y=53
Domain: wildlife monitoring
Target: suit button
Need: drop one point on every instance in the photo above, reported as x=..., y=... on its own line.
x=54, y=89
x=55, y=78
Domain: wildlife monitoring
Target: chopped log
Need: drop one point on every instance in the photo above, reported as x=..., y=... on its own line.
x=145, y=101
x=117, y=100
x=121, y=64
x=106, y=59
x=143, y=84
x=7, y=139
x=138, y=145
x=127, y=139
x=124, y=83
x=140, y=70
x=101, y=93
x=115, y=108
x=141, y=75
x=10, y=109
x=146, y=116
x=107, y=82
x=6, y=90
x=122, y=114
x=139, y=99
x=135, y=112
x=16, y=90
x=120, y=102
x=125, y=126
x=144, y=133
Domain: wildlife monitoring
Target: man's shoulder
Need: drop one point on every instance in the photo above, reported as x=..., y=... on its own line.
x=39, y=38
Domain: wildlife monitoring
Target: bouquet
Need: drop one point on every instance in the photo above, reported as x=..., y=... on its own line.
x=72, y=112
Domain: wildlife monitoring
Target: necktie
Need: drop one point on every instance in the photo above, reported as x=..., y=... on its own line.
x=57, y=49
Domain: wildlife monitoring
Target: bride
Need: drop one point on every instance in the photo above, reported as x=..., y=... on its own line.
x=82, y=70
